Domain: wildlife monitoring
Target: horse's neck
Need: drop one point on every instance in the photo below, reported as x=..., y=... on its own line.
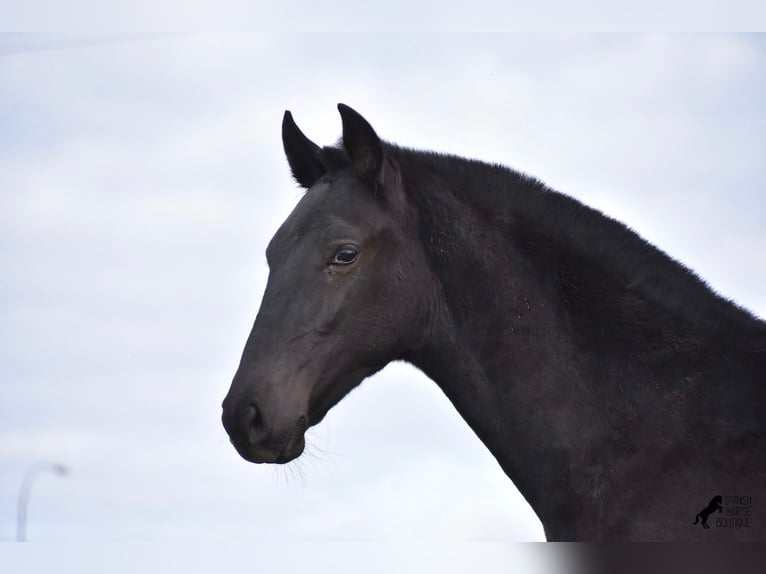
x=499, y=355
x=510, y=355
x=580, y=376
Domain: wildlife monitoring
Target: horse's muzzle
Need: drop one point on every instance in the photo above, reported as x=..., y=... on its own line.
x=256, y=441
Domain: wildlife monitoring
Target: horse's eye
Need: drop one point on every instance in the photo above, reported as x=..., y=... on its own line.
x=345, y=255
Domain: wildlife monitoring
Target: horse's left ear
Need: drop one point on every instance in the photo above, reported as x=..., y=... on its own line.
x=361, y=142
x=302, y=154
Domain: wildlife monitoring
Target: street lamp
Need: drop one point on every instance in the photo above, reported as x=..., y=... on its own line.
x=26, y=486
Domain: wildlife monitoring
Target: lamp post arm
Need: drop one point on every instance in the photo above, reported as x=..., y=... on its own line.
x=26, y=487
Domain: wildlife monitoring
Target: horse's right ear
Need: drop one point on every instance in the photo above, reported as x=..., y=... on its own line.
x=302, y=154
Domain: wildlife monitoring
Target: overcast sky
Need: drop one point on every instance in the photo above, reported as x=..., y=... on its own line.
x=142, y=177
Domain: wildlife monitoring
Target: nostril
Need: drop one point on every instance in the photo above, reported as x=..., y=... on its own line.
x=244, y=423
x=254, y=422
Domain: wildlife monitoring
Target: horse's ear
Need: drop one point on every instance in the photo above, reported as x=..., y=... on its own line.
x=302, y=154
x=361, y=142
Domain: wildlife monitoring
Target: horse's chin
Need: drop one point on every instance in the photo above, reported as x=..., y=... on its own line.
x=317, y=416
x=339, y=387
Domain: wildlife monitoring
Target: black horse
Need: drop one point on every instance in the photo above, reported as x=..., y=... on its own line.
x=715, y=505
x=614, y=387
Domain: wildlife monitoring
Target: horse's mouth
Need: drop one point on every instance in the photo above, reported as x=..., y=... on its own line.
x=293, y=449
x=280, y=452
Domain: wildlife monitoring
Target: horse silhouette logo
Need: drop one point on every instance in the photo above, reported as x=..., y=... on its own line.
x=715, y=504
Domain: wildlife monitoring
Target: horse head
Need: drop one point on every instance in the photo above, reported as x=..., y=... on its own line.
x=347, y=288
